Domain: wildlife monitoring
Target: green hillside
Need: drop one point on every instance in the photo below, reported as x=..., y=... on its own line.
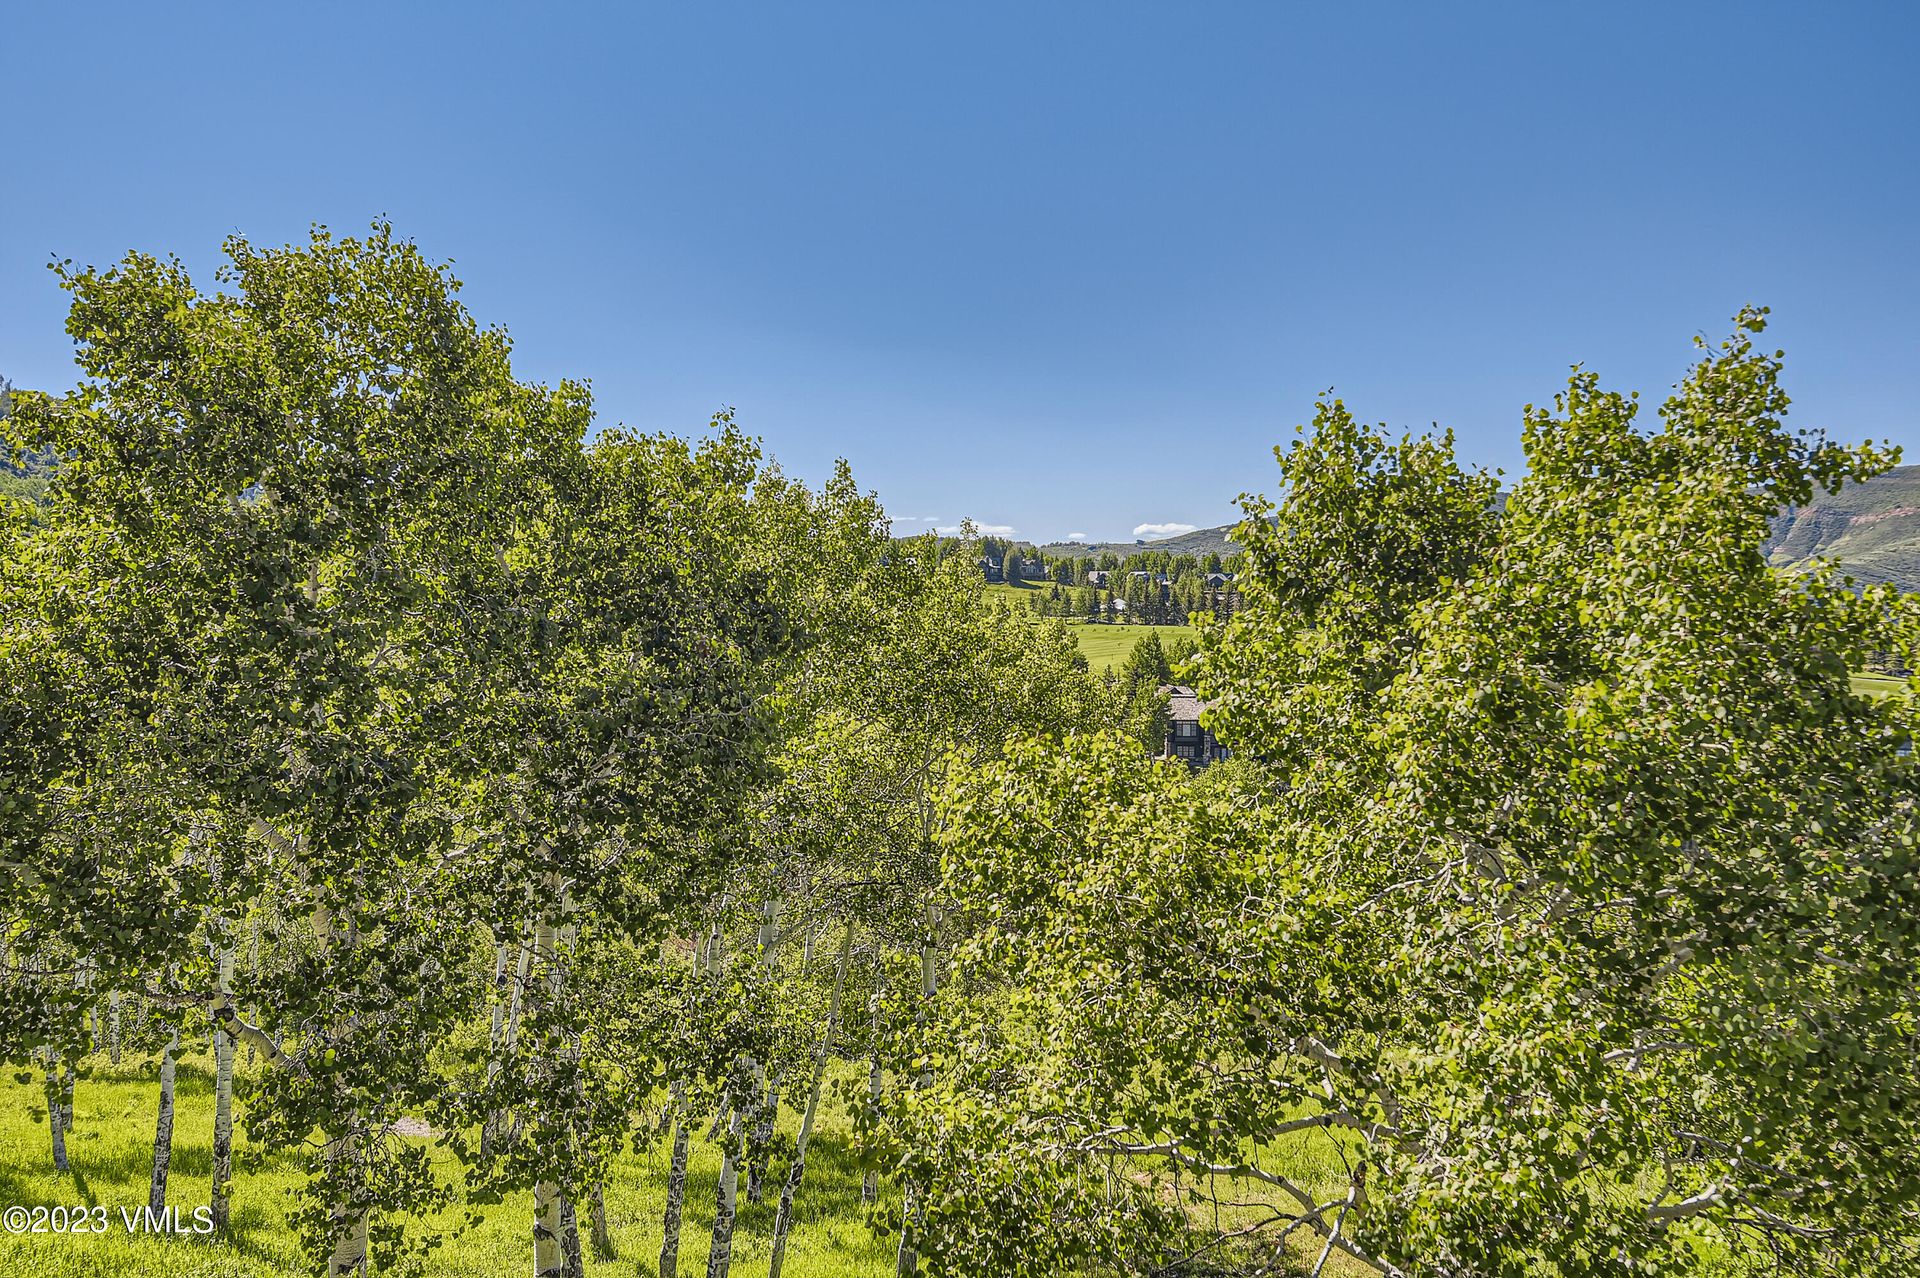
x=1201, y=542
x=1873, y=529
x=22, y=474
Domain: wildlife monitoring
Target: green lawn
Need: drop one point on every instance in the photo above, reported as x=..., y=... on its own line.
x=111, y=1151
x=1103, y=645
x=1878, y=685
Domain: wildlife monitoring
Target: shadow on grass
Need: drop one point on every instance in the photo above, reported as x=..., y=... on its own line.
x=829, y=1189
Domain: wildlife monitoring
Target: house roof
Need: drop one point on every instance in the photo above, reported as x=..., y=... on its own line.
x=1183, y=704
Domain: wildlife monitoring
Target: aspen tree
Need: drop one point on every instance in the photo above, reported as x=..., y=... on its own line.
x=272, y=493
x=163, y=1127
x=1561, y=895
x=223, y=1048
x=783, y=1216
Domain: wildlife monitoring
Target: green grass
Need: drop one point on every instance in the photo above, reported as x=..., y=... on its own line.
x=1878, y=685
x=1103, y=645
x=111, y=1151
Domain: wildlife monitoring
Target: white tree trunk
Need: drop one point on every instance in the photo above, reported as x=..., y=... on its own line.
x=163, y=1130
x=549, y=1261
x=505, y=1025
x=676, y=1195
x=726, y=1202
x=349, y=1256
x=870, y=1182
x=253, y=966
x=726, y=1194
x=761, y=1145
x=502, y=955
x=705, y=946
x=223, y=1046
x=907, y=1260
x=783, y=1217
x=576, y=1265
x=66, y=1103
x=56, y=1128
x=765, y=1109
x=597, y=1215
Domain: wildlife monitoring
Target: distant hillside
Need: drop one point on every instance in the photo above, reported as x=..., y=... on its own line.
x=1873, y=529
x=22, y=474
x=1202, y=542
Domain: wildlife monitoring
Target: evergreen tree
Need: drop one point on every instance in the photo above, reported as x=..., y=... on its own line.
x=1146, y=666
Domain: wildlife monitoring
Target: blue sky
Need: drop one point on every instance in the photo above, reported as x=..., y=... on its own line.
x=1063, y=268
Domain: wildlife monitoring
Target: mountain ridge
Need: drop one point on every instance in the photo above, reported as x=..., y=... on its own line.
x=1872, y=530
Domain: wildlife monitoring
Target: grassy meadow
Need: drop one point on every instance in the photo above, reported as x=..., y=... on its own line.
x=1878, y=685
x=1103, y=645
x=111, y=1153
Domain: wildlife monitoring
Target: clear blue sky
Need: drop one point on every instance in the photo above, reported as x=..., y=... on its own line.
x=1066, y=268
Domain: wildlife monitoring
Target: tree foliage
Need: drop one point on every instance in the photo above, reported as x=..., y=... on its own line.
x=1567, y=924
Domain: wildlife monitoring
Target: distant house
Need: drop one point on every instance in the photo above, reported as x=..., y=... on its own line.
x=990, y=568
x=1221, y=596
x=1097, y=577
x=1186, y=739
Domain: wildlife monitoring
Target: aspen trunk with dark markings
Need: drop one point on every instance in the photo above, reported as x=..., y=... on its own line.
x=501, y=1045
x=66, y=1101
x=677, y=1169
x=597, y=1218
x=549, y=1209
x=760, y=1149
x=56, y=1129
x=726, y=1192
x=870, y=1181
x=726, y=1202
x=349, y=1256
x=765, y=1108
x=907, y=1259
x=761, y=1135
x=783, y=1216
x=163, y=1130
x=253, y=966
x=570, y=1239
x=549, y=1257
x=223, y=1045
x=676, y=1203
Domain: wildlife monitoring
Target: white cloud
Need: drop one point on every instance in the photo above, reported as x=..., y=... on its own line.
x=985, y=530
x=1076, y=536
x=1161, y=530
x=916, y=519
